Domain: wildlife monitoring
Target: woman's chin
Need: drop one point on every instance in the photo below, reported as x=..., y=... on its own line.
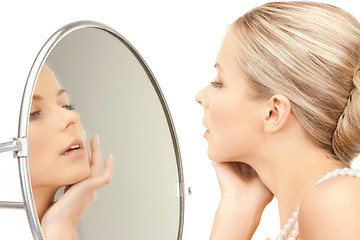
x=84, y=174
x=77, y=176
x=213, y=154
x=216, y=157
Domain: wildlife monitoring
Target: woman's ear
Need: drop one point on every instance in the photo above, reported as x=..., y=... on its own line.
x=278, y=109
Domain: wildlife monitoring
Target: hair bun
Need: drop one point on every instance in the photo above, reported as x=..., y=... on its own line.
x=346, y=138
x=356, y=72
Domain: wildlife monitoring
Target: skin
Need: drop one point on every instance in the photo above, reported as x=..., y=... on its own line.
x=259, y=149
x=53, y=126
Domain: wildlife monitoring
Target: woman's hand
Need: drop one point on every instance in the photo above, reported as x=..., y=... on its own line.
x=61, y=218
x=239, y=180
x=243, y=199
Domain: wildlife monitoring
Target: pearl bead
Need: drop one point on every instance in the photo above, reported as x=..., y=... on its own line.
x=286, y=226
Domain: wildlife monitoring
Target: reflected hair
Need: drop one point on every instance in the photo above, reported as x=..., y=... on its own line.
x=310, y=53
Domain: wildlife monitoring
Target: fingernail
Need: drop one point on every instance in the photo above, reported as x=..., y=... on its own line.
x=111, y=158
x=97, y=138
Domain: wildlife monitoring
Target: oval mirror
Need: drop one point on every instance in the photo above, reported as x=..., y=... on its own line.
x=118, y=98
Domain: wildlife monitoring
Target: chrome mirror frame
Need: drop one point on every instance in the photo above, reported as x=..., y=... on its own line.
x=21, y=143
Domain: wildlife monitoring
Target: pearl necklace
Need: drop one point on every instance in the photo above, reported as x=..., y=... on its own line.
x=290, y=231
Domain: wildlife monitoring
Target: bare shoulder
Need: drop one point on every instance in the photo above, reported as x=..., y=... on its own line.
x=331, y=210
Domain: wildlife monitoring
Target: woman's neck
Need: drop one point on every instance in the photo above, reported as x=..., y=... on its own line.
x=290, y=184
x=291, y=168
x=43, y=197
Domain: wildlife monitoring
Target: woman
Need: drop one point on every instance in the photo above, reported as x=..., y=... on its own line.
x=59, y=157
x=283, y=111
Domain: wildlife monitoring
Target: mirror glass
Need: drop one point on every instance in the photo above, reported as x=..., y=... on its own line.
x=119, y=99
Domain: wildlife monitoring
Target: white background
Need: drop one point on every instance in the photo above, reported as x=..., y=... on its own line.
x=178, y=39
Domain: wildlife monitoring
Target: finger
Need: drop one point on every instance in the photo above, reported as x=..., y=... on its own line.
x=220, y=166
x=96, y=164
x=86, y=147
x=106, y=175
x=109, y=168
x=221, y=170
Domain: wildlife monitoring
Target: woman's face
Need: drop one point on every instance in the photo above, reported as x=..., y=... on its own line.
x=232, y=117
x=58, y=151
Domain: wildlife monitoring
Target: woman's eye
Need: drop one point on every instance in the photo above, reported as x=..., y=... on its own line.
x=34, y=114
x=69, y=107
x=216, y=84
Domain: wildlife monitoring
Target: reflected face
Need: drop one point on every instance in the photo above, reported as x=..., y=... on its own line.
x=58, y=152
x=231, y=115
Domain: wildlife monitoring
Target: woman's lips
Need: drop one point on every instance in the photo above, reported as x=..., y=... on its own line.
x=206, y=133
x=77, y=153
x=75, y=149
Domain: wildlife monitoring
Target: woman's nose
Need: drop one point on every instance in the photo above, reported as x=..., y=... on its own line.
x=70, y=119
x=200, y=97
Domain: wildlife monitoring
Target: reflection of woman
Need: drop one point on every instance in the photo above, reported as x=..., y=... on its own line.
x=283, y=111
x=59, y=157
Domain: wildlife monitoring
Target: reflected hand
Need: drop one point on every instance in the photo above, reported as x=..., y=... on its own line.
x=61, y=218
x=243, y=199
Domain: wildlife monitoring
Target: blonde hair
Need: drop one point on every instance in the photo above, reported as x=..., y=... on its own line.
x=310, y=53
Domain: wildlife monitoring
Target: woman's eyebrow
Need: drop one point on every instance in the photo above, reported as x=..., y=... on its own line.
x=217, y=66
x=36, y=97
x=61, y=91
